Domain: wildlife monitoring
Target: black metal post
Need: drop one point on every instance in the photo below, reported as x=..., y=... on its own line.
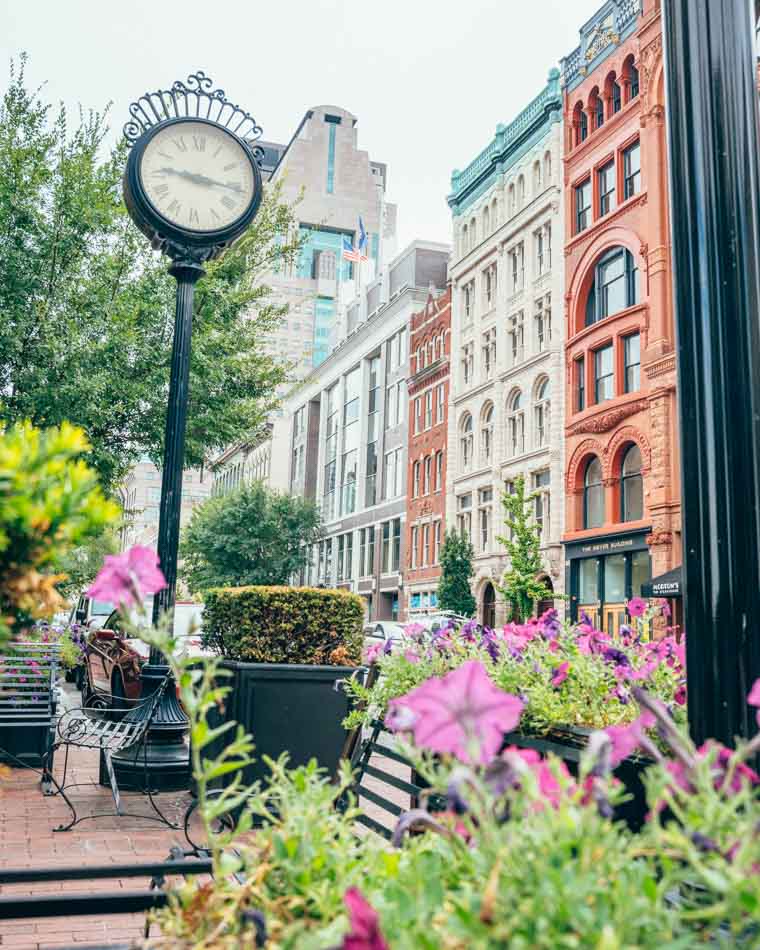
x=712, y=121
x=167, y=750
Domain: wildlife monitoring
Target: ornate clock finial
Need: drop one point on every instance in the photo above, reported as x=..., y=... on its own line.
x=194, y=98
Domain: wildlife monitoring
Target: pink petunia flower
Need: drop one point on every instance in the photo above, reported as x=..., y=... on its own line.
x=365, y=931
x=753, y=699
x=665, y=608
x=626, y=739
x=559, y=674
x=636, y=606
x=462, y=714
x=125, y=579
x=372, y=653
x=411, y=657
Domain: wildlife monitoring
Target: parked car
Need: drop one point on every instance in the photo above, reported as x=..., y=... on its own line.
x=113, y=660
x=381, y=630
x=91, y=613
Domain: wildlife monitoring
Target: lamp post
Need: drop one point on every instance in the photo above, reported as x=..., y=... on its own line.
x=193, y=186
x=712, y=121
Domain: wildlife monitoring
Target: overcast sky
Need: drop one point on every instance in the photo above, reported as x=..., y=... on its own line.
x=427, y=79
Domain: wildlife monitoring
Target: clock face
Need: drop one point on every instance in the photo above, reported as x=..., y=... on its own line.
x=197, y=176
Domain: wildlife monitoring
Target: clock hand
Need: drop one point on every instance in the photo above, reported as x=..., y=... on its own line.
x=199, y=179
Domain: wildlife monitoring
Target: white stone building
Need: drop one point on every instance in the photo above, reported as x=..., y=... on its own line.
x=506, y=406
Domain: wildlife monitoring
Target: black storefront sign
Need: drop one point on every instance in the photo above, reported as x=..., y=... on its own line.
x=602, y=573
x=669, y=584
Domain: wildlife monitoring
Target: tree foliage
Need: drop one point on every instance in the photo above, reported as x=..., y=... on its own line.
x=50, y=501
x=88, y=308
x=251, y=536
x=521, y=587
x=454, y=591
x=81, y=564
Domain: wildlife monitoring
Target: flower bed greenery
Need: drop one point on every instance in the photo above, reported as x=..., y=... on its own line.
x=566, y=675
x=526, y=856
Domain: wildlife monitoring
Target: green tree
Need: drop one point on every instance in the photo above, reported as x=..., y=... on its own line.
x=81, y=564
x=88, y=308
x=454, y=591
x=521, y=587
x=251, y=536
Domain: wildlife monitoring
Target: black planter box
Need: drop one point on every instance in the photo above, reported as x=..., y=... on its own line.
x=286, y=708
x=25, y=745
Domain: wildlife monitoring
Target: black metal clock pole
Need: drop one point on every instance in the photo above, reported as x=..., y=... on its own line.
x=712, y=120
x=191, y=201
x=168, y=762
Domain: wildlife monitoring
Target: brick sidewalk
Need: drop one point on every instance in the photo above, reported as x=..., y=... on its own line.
x=27, y=840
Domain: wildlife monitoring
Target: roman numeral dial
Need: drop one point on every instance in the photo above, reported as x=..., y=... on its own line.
x=197, y=176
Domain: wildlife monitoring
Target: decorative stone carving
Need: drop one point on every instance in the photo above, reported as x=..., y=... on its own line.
x=657, y=538
x=649, y=62
x=607, y=420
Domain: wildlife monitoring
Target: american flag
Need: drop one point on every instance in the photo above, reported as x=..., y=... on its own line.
x=358, y=253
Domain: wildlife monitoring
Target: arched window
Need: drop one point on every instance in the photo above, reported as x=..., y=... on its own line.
x=536, y=177
x=615, y=285
x=465, y=240
x=593, y=495
x=516, y=425
x=438, y=347
x=511, y=199
x=486, y=221
x=596, y=107
x=465, y=442
x=486, y=435
x=613, y=93
x=416, y=480
x=547, y=167
x=630, y=79
x=541, y=413
x=631, y=486
x=520, y=191
x=430, y=352
x=420, y=358
x=494, y=214
x=473, y=232
x=580, y=123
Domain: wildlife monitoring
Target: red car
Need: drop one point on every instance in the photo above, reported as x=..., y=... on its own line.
x=111, y=676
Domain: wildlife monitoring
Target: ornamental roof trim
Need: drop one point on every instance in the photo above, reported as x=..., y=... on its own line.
x=506, y=147
x=600, y=36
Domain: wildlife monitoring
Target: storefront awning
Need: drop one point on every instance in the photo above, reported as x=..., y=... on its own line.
x=666, y=585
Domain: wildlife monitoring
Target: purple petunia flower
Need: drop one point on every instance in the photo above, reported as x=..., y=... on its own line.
x=613, y=655
x=559, y=673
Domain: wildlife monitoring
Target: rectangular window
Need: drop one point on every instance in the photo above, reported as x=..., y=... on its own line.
x=485, y=503
x=396, y=548
x=604, y=374
x=517, y=338
x=580, y=379
x=468, y=363
x=390, y=407
x=606, y=181
x=390, y=474
x=538, y=238
x=439, y=403
x=366, y=552
x=428, y=408
x=428, y=469
x=418, y=414
x=370, y=480
x=468, y=298
x=489, y=286
x=464, y=515
x=416, y=480
x=582, y=206
x=386, y=562
x=437, y=543
x=439, y=471
x=489, y=353
x=631, y=171
x=632, y=363
x=413, y=552
x=331, y=159
x=541, y=482
x=425, y=545
x=617, y=99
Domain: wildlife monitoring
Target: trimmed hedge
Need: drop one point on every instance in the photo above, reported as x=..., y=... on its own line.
x=284, y=625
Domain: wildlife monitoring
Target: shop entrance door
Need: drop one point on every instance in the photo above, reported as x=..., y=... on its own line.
x=489, y=606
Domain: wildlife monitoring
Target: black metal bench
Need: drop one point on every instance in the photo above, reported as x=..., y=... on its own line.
x=28, y=677
x=85, y=728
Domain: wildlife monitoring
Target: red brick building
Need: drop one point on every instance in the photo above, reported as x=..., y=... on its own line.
x=622, y=519
x=428, y=382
